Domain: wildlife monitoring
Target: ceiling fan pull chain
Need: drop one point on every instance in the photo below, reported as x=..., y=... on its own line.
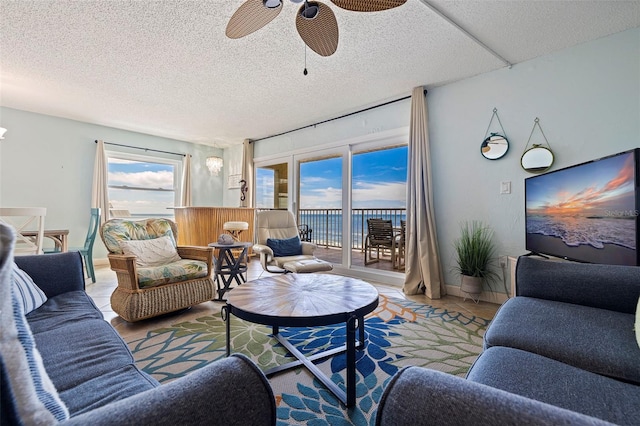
x=305, y=72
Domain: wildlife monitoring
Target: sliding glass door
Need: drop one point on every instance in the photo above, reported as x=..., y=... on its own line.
x=320, y=204
x=378, y=188
x=334, y=192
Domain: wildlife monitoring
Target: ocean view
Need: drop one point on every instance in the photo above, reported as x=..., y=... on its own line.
x=327, y=226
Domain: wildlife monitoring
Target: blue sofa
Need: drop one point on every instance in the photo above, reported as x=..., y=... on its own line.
x=563, y=351
x=94, y=372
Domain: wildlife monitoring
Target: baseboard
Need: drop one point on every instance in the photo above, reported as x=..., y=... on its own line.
x=485, y=296
x=101, y=262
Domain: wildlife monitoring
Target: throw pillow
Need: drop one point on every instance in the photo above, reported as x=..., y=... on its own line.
x=35, y=396
x=155, y=252
x=28, y=292
x=285, y=247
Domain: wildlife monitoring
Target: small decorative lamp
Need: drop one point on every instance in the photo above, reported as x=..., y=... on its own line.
x=2, y=132
x=214, y=164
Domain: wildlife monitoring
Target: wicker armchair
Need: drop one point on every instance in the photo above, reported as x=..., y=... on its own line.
x=147, y=289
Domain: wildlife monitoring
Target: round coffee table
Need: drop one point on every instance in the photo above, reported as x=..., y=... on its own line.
x=307, y=300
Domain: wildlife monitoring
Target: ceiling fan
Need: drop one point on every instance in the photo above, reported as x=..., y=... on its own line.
x=315, y=21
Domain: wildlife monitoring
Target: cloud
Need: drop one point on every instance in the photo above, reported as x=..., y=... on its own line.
x=384, y=194
x=147, y=179
x=624, y=177
x=365, y=195
x=593, y=196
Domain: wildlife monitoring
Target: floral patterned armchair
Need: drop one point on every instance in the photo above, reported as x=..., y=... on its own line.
x=155, y=276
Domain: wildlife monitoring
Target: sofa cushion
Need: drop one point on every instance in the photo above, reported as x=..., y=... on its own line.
x=29, y=293
x=62, y=310
x=111, y=386
x=95, y=350
x=596, y=340
x=153, y=252
x=543, y=379
x=185, y=269
x=637, y=325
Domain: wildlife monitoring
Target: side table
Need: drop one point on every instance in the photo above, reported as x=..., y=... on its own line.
x=229, y=267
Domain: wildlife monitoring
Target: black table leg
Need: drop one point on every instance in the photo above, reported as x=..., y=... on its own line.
x=226, y=317
x=351, y=361
x=361, y=332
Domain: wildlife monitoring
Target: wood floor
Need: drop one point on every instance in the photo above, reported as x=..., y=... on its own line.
x=334, y=256
x=106, y=282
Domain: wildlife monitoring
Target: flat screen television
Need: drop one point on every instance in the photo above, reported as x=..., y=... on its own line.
x=588, y=212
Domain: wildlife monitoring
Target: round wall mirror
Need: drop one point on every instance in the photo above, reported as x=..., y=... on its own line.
x=494, y=147
x=537, y=159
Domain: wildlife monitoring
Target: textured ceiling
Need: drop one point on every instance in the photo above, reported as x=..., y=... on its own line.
x=166, y=67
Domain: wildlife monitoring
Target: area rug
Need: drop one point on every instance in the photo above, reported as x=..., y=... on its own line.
x=399, y=333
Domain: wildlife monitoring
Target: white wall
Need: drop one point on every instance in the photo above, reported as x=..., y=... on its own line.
x=48, y=161
x=588, y=101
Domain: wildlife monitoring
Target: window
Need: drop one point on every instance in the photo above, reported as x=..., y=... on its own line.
x=272, y=186
x=142, y=186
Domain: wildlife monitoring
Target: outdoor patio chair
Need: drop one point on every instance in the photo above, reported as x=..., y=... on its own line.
x=279, y=245
x=305, y=232
x=379, y=237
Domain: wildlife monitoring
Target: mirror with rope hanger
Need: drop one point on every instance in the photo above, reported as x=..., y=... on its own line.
x=495, y=145
x=538, y=158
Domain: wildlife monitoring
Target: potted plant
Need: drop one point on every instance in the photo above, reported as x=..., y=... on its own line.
x=474, y=254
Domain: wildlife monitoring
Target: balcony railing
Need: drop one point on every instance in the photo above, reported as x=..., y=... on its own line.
x=326, y=224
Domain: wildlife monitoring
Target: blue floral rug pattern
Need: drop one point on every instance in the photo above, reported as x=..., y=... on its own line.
x=399, y=333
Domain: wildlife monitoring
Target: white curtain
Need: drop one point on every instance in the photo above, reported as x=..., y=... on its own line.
x=247, y=173
x=422, y=264
x=185, y=200
x=100, y=192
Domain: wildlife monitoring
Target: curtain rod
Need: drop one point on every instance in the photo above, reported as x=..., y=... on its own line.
x=144, y=149
x=335, y=118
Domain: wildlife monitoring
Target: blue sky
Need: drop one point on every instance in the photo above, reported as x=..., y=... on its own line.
x=379, y=181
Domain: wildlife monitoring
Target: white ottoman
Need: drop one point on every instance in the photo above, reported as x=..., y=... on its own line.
x=307, y=265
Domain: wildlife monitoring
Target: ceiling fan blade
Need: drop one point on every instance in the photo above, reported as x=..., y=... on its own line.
x=368, y=5
x=250, y=16
x=319, y=30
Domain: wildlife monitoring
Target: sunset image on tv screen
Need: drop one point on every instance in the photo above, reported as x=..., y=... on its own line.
x=586, y=212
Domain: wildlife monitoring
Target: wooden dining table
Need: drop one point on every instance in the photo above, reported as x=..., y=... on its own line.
x=59, y=237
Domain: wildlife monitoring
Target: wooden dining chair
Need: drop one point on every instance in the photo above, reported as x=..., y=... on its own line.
x=24, y=219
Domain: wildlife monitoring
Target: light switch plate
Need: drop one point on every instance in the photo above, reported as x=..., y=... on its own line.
x=505, y=187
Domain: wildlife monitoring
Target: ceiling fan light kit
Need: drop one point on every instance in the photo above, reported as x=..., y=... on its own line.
x=315, y=21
